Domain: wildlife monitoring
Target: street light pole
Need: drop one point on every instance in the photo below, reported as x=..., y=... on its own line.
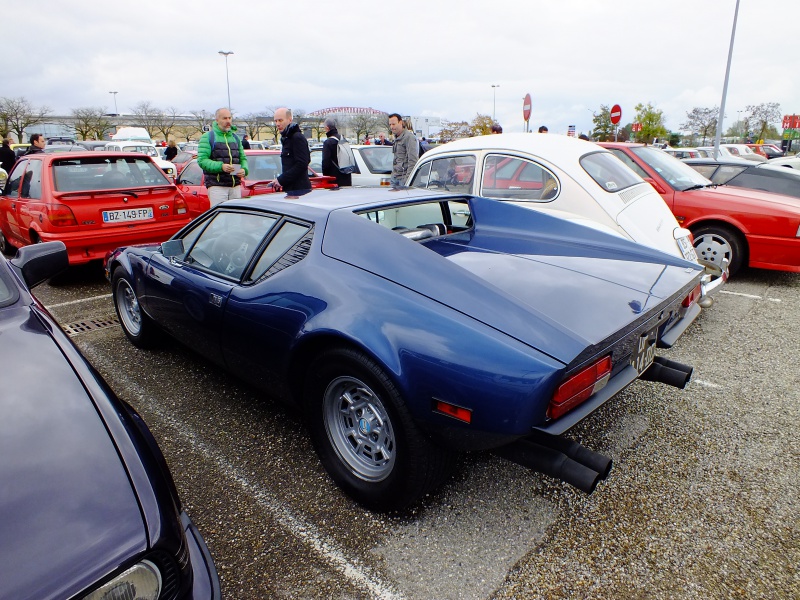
x=494, y=100
x=725, y=85
x=116, y=112
x=227, y=80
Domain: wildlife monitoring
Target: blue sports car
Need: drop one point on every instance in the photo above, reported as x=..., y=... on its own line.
x=410, y=325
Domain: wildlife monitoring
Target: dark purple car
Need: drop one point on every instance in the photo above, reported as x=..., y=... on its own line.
x=88, y=508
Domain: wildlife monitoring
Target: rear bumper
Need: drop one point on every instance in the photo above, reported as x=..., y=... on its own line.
x=205, y=584
x=85, y=246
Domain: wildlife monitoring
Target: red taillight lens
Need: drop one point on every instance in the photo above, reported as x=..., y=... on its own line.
x=580, y=387
x=451, y=410
x=692, y=297
x=180, y=205
x=61, y=216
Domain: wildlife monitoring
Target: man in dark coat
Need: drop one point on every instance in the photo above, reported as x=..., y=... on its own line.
x=7, y=156
x=295, y=155
x=330, y=165
x=37, y=144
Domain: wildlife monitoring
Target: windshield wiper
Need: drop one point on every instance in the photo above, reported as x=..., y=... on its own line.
x=98, y=192
x=699, y=186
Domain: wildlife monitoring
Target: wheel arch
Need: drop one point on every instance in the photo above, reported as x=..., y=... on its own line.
x=735, y=226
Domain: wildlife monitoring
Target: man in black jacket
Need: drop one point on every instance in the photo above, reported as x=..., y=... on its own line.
x=330, y=164
x=295, y=155
x=7, y=156
x=37, y=143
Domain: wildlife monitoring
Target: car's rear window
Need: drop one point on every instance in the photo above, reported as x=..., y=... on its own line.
x=609, y=172
x=102, y=173
x=263, y=167
x=8, y=291
x=378, y=159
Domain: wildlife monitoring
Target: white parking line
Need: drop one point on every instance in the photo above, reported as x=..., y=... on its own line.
x=753, y=296
x=325, y=547
x=90, y=299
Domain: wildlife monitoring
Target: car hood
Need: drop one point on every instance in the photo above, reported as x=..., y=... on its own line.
x=68, y=514
x=552, y=284
x=750, y=195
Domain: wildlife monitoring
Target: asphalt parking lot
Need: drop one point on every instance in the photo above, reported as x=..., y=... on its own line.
x=703, y=500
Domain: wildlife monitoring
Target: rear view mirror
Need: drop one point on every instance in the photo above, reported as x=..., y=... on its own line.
x=172, y=248
x=39, y=262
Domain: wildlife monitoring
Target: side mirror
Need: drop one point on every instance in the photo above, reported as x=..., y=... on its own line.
x=658, y=187
x=39, y=262
x=172, y=248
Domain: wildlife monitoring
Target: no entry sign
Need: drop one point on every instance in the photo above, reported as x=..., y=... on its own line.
x=526, y=107
x=616, y=114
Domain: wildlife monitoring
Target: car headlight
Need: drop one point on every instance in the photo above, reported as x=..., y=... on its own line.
x=141, y=582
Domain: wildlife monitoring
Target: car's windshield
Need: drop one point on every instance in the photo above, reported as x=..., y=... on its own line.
x=678, y=174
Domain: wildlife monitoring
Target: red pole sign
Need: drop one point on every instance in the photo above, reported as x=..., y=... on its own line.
x=526, y=107
x=616, y=114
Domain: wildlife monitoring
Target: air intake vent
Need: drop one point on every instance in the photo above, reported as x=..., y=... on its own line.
x=634, y=192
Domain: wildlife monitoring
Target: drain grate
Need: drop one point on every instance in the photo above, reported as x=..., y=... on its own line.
x=73, y=329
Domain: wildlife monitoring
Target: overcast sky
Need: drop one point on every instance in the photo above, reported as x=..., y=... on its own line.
x=428, y=58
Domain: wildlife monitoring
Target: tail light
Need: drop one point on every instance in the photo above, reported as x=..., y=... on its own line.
x=60, y=215
x=580, y=387
x=692, y=297
x=180, y=205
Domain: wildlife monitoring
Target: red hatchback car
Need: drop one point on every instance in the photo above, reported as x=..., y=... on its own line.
x=743, y=226
x=262, y=165
x=94, y=202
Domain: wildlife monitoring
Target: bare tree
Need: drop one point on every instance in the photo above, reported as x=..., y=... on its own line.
x=761, y=116
x=269, y=123
x=361, y=125
x=17, y=114
x=90, y=122
x=166, y=121
x=253, y=122
x=201, y=120
x=702, y=121
x=148, y=116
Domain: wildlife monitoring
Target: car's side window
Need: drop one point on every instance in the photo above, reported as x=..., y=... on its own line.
x=192, y=174
x=424, y=220
x=32, y=182
x=422, y=176
x=265, y=167
x=12, y=185
x=285, y=238
x=229, y=241
x=514, y=178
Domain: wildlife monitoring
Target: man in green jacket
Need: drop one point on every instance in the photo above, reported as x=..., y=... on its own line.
x=221, y=156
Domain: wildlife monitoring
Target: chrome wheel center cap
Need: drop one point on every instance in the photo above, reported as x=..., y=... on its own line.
x=364, y=427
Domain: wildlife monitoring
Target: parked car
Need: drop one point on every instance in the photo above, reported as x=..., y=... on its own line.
x=410, y=325
x=724, y=153
x=792, y=162
x=263, y=167
x=190, y=147
x=743, y=226
x=92, y=201
x=94, y=145
x=572, y=178
x=744, y=151
x=20, y=149
x=88, y=507
x=144, y=148
x=373, y=164
x=767, y=150
x=683, y=152
x=54, y=148
x=762, y=176
x=182, y=159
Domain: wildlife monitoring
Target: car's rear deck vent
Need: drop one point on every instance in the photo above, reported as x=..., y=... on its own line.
x=73, y=329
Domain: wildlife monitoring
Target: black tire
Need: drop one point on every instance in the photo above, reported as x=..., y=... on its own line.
x=713, y=243
x=365, y=436
x=138, y=327
x=5, y=245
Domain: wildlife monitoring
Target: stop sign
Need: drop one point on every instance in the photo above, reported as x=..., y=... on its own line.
x=526, y=107
x=616, y=114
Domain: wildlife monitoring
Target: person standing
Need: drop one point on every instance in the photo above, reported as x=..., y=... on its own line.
x=37, y=144
x=382, y=141
x=245, y=142
x=295, y=155
x=330, y=147
x=497, y=128
x=171, y=151
x=405, y=150
x=223, y=160
x=7, y=156
x=543, y=129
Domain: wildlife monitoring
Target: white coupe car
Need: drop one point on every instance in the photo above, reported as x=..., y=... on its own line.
x=374, y=164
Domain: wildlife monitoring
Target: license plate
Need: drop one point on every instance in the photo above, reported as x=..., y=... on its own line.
x=645, y=351
x=687, y=249
x=127, y=214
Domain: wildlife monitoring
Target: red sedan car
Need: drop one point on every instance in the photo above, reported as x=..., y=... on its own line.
x=94, y=202
x=263, y=166
x=743, y=226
